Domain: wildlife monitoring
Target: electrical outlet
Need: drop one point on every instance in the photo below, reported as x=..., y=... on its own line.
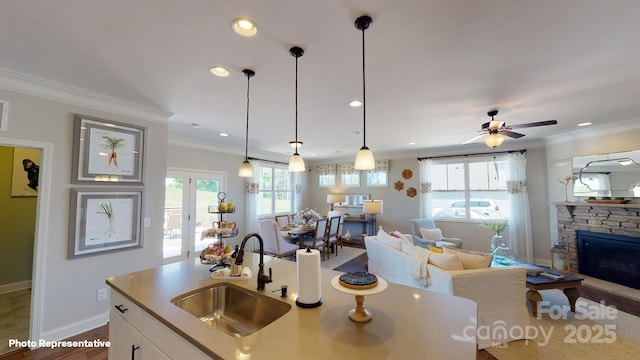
x=102, y=294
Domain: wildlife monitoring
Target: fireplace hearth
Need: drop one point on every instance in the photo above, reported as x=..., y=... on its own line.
x=614, y=258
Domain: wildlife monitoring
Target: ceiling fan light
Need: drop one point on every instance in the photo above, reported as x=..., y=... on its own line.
x=494, y=140
x=246, y=169
x=296, y=164
x=364, y=159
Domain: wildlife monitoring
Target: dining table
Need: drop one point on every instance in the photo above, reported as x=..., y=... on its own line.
x=297, y=231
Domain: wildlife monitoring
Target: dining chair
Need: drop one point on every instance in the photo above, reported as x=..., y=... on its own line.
x=331, y=240
x=283, y=220
x=273, y=241
x=318, y=238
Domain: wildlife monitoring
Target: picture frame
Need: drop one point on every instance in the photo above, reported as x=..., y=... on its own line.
x=107, y=151
x=104, y=221
x=4, y=115
x=25, y=174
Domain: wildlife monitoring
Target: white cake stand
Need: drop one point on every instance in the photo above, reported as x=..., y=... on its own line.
x=359, y=313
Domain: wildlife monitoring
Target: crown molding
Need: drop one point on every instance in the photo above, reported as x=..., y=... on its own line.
x=194, y=144
x=29, y=85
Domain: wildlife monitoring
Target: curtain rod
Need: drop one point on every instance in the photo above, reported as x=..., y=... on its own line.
x=521, y=151
x=271, y=161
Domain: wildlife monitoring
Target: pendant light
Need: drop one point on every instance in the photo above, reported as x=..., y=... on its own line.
x=246, y=170
x=364, y=158
x=296, y=164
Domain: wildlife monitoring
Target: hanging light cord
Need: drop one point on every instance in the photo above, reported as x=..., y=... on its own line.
x=364, y=101
x=296, y=105
x=246, y=138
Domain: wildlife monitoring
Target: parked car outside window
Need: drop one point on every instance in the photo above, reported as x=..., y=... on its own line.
x=479, y=209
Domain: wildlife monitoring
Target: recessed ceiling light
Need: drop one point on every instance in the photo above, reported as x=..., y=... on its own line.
x=585, y=124
x=244, y=27
x=355, y=103
x=219, y=71
x=223, y=134
x=412, y=143
x=195, y=125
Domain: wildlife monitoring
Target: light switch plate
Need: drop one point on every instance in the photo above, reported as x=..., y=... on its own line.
x=147, y=222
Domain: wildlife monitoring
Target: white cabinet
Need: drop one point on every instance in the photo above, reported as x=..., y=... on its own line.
x=136, y=335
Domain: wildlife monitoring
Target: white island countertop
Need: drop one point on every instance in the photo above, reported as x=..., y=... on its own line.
x=408, y=323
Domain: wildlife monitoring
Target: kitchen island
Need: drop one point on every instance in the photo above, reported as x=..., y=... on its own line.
x=407, y=323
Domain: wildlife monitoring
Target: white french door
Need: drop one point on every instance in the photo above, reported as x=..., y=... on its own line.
x=187, y=197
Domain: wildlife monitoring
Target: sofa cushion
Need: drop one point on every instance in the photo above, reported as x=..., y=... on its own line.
x=446, y=261
x=389, y=240
x=470, y=260
x=431, y=234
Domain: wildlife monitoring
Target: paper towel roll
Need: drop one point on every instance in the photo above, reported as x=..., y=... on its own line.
x=309, y=287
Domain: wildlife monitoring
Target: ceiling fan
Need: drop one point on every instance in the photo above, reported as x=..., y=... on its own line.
x=495, y=132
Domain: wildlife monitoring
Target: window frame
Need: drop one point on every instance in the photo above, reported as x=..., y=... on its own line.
x=273, y=191
x=470, y=195
x=386, y=180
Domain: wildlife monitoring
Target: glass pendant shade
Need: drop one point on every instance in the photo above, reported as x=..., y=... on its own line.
x=364, y=159
x=246, y=169
x=296, y=164
x=494, y=140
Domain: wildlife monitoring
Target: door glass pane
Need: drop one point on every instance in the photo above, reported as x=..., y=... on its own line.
x=206, y=195
x=174, y=192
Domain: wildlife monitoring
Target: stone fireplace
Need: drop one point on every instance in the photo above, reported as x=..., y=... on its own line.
x=607, y=224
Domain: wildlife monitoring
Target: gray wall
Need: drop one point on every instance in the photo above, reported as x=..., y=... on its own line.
x=40, y=120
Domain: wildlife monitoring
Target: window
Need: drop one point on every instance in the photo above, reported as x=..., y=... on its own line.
x=326, y=175
x=377, y=178
x=276, y=190
x=469, y=189
x=350, y=177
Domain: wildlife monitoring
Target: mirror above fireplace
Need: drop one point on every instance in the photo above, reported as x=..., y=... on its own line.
x=613, y=175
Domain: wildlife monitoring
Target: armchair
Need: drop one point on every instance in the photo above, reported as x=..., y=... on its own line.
x=425, y=223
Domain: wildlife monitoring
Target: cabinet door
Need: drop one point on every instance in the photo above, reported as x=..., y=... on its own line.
x=151, y=352
x=125, y=340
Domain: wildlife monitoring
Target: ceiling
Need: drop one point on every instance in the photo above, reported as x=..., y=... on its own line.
x=433, y=68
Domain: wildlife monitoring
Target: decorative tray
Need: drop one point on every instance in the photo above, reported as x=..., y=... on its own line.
x=600, y=201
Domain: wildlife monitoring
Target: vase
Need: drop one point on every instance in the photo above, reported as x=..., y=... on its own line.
x=502, y=253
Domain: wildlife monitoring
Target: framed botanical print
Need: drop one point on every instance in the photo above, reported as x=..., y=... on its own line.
x=107, y=151
x=104, y=220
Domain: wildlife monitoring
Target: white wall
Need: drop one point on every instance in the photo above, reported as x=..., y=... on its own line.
x=68, y=292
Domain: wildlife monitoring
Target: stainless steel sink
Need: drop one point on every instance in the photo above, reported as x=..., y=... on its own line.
x=232, y=309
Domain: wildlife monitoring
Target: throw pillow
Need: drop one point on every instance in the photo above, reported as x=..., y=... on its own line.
x=435, y=249
x=396, y=233
x=446, y=261
x=469, y=260
x=431, y=234
x=407, y=244
x=389, y=240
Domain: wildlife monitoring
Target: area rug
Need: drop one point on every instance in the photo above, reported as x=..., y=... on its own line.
x=595, y=331
x=345, y=254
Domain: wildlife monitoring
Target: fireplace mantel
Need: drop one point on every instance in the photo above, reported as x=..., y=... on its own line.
x=616, y=219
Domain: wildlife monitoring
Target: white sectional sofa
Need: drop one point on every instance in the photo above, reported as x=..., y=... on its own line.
x=499, y=292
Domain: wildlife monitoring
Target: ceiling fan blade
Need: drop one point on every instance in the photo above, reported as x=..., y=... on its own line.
x=474, y=139
x=539, y=123
x=511, y=134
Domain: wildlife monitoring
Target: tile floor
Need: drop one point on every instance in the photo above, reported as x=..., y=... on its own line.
x=15, y=307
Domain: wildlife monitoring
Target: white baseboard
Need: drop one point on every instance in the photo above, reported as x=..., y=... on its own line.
x=20, y=285
x=75, y=328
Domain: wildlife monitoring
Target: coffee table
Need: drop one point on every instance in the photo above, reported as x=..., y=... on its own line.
x=568, y=285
